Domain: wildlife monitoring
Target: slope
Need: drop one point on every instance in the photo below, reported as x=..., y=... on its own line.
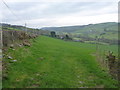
x=9, y=27
x=53, y=63
x=108, y=30
x=80, y=28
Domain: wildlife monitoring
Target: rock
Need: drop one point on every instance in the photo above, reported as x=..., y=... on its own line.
x=4, y=49
x=20, y=45
x=9, y=57
x=14, y=60
x=26, y=43
x=11, y=46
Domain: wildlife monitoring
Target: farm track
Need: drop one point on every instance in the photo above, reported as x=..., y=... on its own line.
x=53, y=63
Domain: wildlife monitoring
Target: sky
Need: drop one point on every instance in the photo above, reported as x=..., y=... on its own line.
x=54, y=13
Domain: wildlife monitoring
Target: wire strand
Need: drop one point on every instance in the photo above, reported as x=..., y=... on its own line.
x=11, y=11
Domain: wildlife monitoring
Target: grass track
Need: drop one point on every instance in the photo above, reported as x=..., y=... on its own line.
x=53, y=63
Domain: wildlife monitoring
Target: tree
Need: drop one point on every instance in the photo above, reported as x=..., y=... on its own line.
x=67, y=37
x=53, y=34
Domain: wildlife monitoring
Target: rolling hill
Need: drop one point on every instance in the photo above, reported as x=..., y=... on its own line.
x=108, y=30
x=109, y=26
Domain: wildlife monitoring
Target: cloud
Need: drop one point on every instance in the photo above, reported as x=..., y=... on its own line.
x=42, y=13
x=90, y=19
x=12, y=1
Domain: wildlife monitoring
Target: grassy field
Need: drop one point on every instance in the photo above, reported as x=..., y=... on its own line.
x=53, y=63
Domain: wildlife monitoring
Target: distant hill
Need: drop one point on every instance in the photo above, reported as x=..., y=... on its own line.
x=108, y=30
x=80, y=28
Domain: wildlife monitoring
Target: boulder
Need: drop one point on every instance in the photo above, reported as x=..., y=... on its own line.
x=14, y=60
x=9, y=57
x=11, y=46
x=26, y=43
x=20, y=45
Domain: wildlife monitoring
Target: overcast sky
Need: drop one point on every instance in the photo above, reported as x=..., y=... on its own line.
x=45, y=13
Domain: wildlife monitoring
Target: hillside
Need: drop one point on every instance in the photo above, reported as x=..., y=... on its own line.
x=54, y=63
x=100, y=26
x=8, y=27
x=107, y=30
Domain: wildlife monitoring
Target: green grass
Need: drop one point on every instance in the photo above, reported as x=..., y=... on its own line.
x=62, y=65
